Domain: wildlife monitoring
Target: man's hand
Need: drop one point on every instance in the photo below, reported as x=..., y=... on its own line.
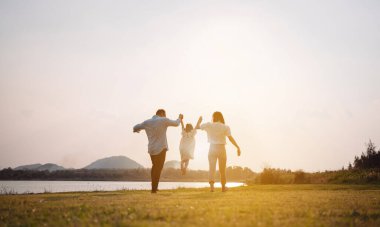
x=238, y=151
x=180, y=117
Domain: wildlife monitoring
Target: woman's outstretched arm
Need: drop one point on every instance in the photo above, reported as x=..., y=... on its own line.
x=235, y=144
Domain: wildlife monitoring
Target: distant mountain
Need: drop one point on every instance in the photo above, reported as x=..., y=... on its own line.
x=28, y=167
x=48, y=166
x=114, y=162
x=172, y=164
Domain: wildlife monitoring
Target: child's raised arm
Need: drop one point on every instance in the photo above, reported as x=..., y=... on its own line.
x=183, y=127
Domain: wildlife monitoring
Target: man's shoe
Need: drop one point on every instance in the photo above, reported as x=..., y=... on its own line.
x=224, y=189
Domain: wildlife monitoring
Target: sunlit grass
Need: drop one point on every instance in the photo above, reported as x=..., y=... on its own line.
x=281, y=205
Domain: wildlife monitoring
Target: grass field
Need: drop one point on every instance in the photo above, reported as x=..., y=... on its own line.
x=261, y=205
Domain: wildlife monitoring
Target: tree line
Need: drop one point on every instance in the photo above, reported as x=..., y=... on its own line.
x=234, y=173
x=365, y=170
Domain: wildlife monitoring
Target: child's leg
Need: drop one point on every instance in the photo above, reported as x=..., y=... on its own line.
x=185, y=164
x=182, y=166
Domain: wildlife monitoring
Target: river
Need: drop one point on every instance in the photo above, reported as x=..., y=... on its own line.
x=25, y=187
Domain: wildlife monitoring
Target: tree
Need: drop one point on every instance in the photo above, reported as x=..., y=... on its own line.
x=369, y=160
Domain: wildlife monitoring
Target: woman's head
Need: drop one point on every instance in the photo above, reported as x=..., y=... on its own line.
x=189, y=127
x=218, y=117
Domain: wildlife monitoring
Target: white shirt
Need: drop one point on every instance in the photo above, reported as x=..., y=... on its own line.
x=155, y=129
x=216, y=132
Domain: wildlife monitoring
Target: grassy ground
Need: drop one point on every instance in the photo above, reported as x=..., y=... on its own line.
x=261, y=205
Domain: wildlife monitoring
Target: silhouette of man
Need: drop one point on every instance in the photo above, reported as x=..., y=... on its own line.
x=155, y=129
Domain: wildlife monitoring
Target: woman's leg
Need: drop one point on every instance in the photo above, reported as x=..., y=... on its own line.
x=212, y=168
x=222, y=159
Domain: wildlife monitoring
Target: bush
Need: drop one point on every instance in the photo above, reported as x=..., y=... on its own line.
x=300, y=177
x=275, y=176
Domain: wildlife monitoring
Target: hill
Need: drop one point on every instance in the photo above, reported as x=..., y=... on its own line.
x=48, y=166
x=114, y=162
x=28, y=167
x=172, y=164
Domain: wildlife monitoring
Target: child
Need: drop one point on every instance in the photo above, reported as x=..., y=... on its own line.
x=187, y=145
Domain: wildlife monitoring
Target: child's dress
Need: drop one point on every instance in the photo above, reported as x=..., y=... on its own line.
x=187, y=144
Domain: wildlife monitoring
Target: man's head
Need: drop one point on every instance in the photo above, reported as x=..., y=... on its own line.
x=161, y=113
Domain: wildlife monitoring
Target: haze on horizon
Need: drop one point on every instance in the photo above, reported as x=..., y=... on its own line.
x=297, y=81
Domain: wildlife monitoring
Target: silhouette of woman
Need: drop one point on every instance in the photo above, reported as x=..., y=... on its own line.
x=217, y=131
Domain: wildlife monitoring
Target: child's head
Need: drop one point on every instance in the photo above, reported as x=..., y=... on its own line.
x=189, y=127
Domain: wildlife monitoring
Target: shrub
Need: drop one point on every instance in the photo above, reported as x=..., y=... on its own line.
x=275, y=176
x=300, y=177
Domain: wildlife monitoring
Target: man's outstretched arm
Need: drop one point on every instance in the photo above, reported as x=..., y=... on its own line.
x=138, y=127
x=176, y=122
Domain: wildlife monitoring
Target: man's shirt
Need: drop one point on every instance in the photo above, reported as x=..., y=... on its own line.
x=155, y=129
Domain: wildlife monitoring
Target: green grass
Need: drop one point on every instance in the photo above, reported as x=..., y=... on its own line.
x=258, y=205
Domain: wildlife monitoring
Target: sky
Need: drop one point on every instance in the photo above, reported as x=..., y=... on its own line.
x=297, y=81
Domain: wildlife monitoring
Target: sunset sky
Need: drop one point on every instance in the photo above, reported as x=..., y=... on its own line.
x=298, y=82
